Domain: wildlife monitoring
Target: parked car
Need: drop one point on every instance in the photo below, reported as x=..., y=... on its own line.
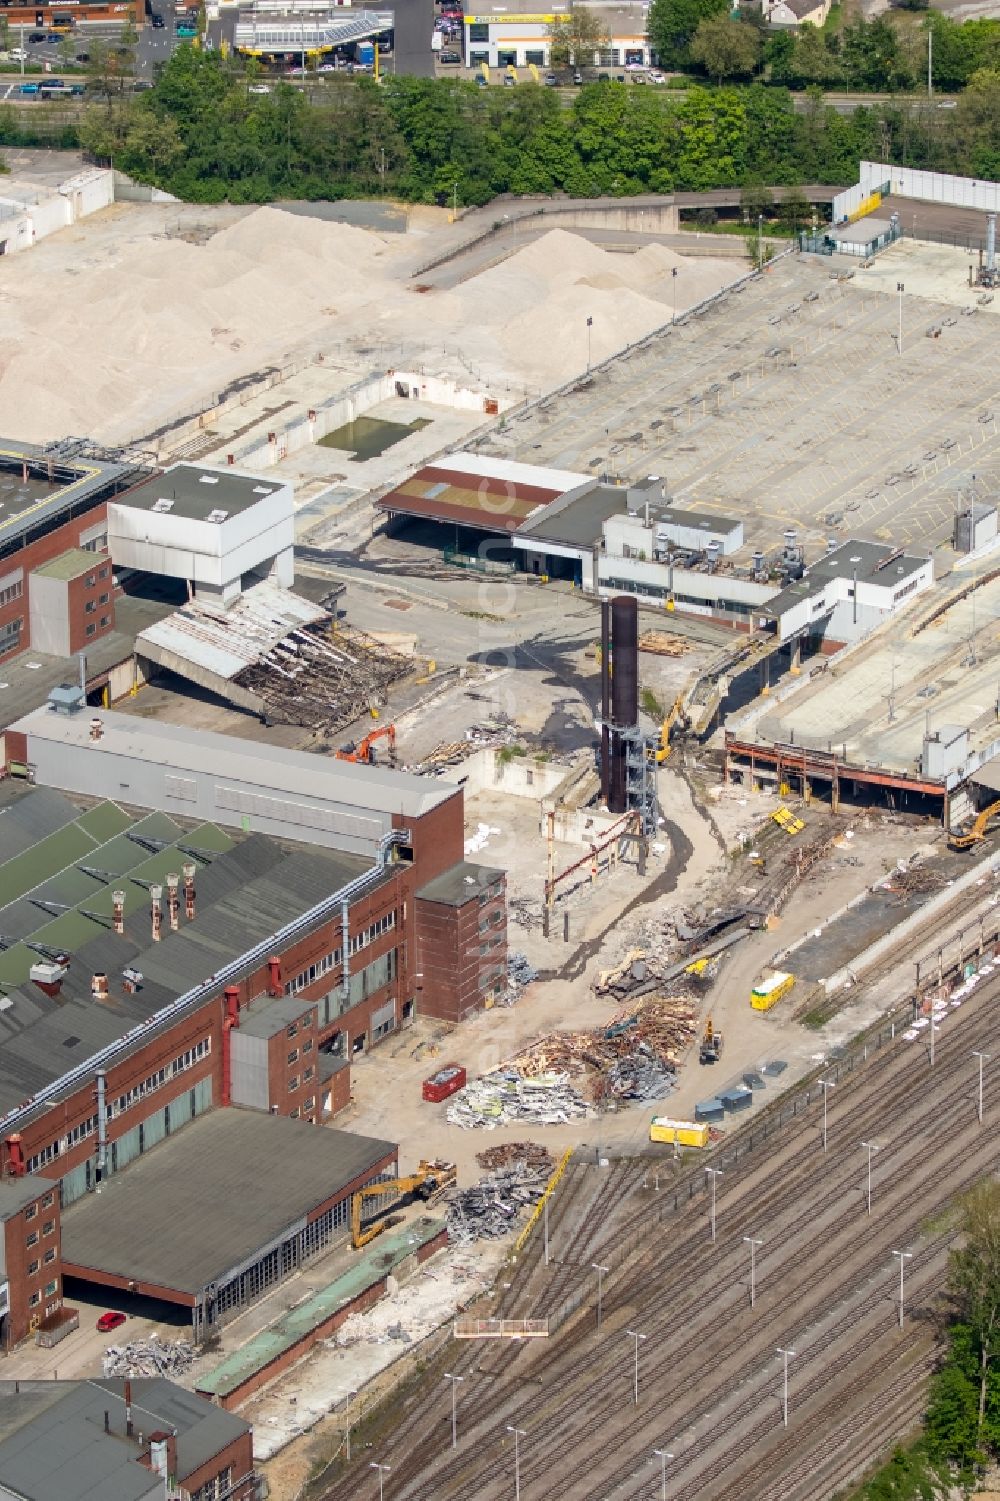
x=109, y=1321
x=83, y=57
x=259, y=88
x=37, y=36
x=551, y=80
x=28, y=88
x=450, y=59
x=577, y=79
x=157, y=21
x=18, y=55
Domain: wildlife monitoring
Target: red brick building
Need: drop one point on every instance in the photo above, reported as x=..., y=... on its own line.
x=165, y=963
x=50, y=507
x=140, y=1439
x=30, y=1252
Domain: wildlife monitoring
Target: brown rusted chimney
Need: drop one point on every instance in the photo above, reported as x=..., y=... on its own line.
x=99, y=987
x=118, y=898
x=173, y=903
x=189, y=871
x=156, y=911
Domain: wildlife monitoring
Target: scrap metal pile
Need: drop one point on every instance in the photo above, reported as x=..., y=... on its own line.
x=149, y=1357
x=487, y=1211
x=509, y=1094
x=634, y=1057
x=519, y=974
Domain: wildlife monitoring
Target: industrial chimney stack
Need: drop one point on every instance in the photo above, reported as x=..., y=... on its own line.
x=156, y=910
x=189, y=871
x=173, y=901
x=118, y=898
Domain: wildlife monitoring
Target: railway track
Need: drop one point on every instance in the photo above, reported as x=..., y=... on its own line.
x=709, y=1377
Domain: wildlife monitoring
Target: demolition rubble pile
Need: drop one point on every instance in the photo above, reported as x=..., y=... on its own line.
x=487, y=1210
x=497, y=730
x=506, y=1095
x=635, y=1057
x=149, y=1357
x=519, y=974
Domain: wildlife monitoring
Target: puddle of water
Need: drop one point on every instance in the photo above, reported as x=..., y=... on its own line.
x=367, y=437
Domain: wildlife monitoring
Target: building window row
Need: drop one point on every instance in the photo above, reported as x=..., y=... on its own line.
x=10, y=635
x=384, y=924
x=11, y=588
x=187, y=1059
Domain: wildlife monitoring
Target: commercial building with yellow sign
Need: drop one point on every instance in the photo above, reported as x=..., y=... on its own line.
x=514, y=38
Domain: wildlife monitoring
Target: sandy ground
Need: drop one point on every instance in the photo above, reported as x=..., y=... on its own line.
x=168, y=304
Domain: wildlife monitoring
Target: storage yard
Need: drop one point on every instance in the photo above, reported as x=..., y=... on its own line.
x=709, y=1383
x=646, y=886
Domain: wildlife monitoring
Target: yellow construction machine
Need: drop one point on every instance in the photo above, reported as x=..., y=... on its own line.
x=977, y=831
x=711, y=1044
x=675, y=713
x=427, y=1183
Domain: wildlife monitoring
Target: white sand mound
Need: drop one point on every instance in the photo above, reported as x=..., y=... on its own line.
x=148, y=326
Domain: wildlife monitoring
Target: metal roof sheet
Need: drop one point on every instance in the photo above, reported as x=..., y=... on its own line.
x=365, y=789
x=226, y=641
x=158, y=1222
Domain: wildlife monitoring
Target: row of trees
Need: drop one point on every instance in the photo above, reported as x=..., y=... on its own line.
x=202, y=135
x=875, y=55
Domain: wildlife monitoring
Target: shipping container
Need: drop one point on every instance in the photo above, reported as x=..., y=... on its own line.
x=684, y=1133
x=446, y=1081
x=709, y=1110
x=767, y=992
x=736, y=1099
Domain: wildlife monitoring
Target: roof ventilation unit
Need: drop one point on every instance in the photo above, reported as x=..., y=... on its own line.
x=164, y=504
x=217, y=516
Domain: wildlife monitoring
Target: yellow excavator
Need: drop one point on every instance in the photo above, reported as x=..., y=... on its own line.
x=977, y=831
x=427, y=1183
x=675, y=713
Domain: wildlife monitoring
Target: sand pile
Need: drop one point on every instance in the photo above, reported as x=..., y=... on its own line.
x=121, y=325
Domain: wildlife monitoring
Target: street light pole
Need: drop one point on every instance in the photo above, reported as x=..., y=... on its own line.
x=786, y=1354
x=350, y=1394
x=383, y=1471
x=870, y=1147
x=545, y=1222
x=518, y=1433
x=634, y=1334
x=600, y=1270
x=983, y=1058
x=904, y=1257
x=900, y=289
x=713, y=1173
x=663, y=1455
x=824, y=1085
x=753, y=1242
x=590, y=325
x=673, y=283
x=454, y=1420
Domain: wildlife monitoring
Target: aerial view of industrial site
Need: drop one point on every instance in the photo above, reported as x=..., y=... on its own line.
x=499, y=751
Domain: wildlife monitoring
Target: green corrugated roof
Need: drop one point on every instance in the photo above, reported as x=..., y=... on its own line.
x=43, y=860
x=69, y=932
x=208, y=837
x=157, y=826
x=70, y=565
x=15, y=963
x=117, y=856
x=105, y=821
x=371, y=1266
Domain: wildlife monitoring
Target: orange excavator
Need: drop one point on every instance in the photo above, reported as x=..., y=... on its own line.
x=364, y=751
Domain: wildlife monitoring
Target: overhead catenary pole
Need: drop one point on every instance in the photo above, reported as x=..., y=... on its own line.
x=900, y=288
x=347, y=1424
x=635, y=1335
x=590, y=326
x=383, y=1471
x=713, y=1173
x=784, y=1404
x=454, y=1414
x=871, y=1147
x=825, y=1085
x=904, y=1257
x=545, y=1221
x=753, y=1242
x=663, y=1455
x=983, y=1058
x=600, y=1270
x=518, y=1433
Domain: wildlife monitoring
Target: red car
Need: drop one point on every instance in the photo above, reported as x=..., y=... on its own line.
x=109, y=1321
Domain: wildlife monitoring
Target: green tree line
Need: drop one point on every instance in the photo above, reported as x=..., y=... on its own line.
x=204, y=135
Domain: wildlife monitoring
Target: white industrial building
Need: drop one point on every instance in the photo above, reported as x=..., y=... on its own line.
x=217, y=530
x=849, y=592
